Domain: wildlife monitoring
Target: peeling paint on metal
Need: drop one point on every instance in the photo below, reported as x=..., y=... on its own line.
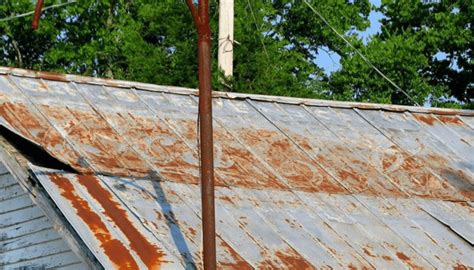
x=112, y=247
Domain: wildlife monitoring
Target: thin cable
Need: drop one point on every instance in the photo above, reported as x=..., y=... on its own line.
x=258, y=29
x=360, y=54
x=32, y=12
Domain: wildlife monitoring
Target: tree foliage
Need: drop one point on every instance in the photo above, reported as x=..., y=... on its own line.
x=424, y=46
x=277, y=44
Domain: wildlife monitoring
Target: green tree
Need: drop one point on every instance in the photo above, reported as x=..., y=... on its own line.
x=154, y=41
x=414, y=35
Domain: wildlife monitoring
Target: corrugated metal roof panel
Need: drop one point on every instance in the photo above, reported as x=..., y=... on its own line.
x=300, y=183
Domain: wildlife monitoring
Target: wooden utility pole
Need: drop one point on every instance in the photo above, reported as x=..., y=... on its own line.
x=225, y=53
x=201, y=19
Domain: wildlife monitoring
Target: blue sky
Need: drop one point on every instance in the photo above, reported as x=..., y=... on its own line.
x=330, y=60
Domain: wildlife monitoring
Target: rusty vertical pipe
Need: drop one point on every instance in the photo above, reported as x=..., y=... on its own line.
x=201, y=19
x=207, y=146
x=37, y=15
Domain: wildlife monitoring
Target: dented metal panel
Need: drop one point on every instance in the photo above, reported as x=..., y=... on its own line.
x=300, y=183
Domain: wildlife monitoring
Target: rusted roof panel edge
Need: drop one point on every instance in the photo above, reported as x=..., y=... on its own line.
x=229, y=95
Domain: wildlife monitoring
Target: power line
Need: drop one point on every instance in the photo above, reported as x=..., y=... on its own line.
x=360, y=53
x=32, y=12
x=258, y=28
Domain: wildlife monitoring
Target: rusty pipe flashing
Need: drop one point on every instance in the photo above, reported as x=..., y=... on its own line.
x=37, y=15
x=201, y=19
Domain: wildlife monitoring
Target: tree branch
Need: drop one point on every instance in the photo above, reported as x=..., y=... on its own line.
x=18, y=53
x=194, y=12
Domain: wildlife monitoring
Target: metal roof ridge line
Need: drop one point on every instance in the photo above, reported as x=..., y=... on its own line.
x=229, y=95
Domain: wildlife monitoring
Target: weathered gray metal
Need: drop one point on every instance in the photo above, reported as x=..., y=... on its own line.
x=300, y=183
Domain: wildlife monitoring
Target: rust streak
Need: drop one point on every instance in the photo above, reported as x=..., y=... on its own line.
x=238, y=264
x=459, y=266
x=150, y=254
x=425, y=118
x=450, y=120
x=113, y=248
x=408, y=261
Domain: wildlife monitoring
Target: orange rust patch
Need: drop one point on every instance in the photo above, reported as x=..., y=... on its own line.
x=192, y=231
x=368, y=253
x=37, y=130
x=459, y=266
x=164, y=148
x=387, y=258
x=113, y=248
x=408, y=261
x=150, y=254
x=425, y=118
x=226, y=198
x=388, y=161
x=238, y=263
x=293, y=260
x=52, y=76
x=287, y=160
x=450, y=120
x=352, y=267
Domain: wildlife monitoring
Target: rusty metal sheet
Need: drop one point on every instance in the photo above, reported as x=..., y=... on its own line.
x=115, y=235
x=404, y=158
x=410, y=224
x=300, y=183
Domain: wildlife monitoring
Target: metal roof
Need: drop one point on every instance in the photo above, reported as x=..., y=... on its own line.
x=300, y=183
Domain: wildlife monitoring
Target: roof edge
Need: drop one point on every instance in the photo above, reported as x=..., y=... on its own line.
x=229, y=95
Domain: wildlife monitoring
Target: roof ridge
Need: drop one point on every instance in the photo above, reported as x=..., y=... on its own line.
x=229, y=95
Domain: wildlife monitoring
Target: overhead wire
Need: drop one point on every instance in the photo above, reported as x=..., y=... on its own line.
x=32, y=12
x=258, y=28
x=360, y=54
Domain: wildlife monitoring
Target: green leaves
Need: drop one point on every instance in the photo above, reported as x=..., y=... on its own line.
x=278, y=43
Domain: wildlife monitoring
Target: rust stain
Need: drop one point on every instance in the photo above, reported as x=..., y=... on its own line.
x=450, y=120
x=408, y=261
x=34, y=128
x=368, y=253
x=118, y=254
x=150, y=254
x=155, y=139
x=238, y=262
x=192, y=231
x=459, y=266
x=113, y=151
x=293, y=259
x=300, y=171
x=387, y=258
x=226, y=198
x=425, y=118
x=388, y=161
x=52, y=76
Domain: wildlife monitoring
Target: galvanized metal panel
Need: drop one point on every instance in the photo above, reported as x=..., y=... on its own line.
x=319, y=185
x=116, y=236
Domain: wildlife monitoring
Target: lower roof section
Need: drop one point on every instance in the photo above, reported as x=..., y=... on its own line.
x=28, y=238
x=156, y=224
